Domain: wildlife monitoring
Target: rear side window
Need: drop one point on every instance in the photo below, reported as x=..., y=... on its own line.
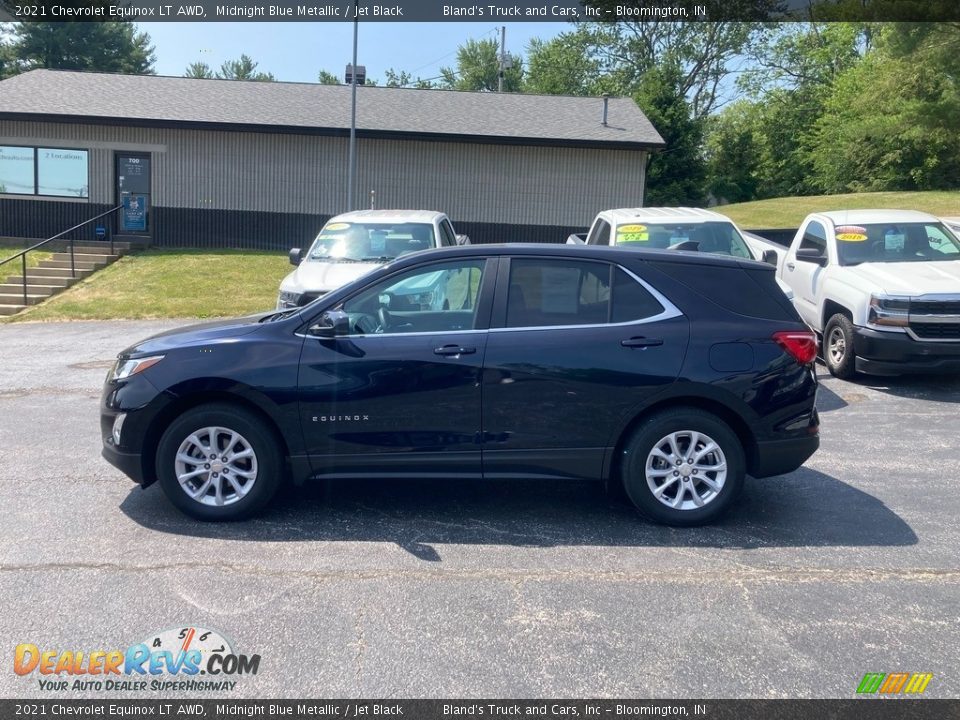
x=570, y=292
x=749, y=292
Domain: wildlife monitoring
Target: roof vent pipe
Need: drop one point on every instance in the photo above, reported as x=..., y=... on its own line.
x=606, y=100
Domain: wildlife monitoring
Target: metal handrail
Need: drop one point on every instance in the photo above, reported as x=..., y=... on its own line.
x=73, y=266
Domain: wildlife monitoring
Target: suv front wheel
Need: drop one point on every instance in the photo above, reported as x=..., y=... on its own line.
x=219, y=462
x=683, y=467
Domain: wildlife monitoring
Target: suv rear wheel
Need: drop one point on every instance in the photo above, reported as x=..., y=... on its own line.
x=683, y=467
x=219, y=462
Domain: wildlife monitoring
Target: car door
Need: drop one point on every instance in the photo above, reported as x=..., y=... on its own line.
x=575, y=345
x=805, y=276
x=399, y=393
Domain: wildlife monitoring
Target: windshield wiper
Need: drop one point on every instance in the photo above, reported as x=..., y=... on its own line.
x=378, y=258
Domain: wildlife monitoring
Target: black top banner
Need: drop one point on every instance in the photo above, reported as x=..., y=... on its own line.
x=874, y=709
x=482, y=11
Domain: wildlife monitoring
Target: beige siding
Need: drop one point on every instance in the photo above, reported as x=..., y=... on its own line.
x=307, y=174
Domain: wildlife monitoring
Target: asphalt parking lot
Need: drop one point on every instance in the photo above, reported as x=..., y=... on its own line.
x=507, y=589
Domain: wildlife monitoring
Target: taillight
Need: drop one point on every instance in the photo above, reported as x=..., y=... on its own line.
x=801, y=344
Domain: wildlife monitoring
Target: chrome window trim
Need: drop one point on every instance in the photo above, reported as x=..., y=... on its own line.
x=669, y=310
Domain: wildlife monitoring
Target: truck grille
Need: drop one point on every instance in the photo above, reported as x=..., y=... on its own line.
x=936, y=331
x=926, y=307
x=935, y=319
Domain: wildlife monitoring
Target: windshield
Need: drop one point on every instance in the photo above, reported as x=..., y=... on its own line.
x=370, y=242
x=711, y=237
x=895, y=242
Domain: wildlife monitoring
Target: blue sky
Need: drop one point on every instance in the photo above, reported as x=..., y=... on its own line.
x=297, y=51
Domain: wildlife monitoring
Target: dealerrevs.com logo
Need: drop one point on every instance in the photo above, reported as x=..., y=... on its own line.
x=188, y=658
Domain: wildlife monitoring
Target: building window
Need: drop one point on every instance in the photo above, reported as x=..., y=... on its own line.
x=17, y=170
x=57, y=172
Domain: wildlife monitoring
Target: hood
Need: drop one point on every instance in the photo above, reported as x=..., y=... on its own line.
x=911, y=278
x=197, y=335
x=320, y=276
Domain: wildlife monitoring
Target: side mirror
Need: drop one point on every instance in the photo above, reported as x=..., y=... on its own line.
x=333, y=323
x=296, y=256
x=463, y=239
x=812, y=255
x=575, y=239
x=769, y=257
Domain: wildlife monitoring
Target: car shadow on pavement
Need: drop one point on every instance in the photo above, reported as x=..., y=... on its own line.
x=804, y=509
x=940, y=388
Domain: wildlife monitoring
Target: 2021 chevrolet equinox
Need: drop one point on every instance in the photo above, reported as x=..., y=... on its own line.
x=672, y=373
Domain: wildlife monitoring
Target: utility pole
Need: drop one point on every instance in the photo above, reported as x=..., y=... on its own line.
x=351, y=173
x=503, y=57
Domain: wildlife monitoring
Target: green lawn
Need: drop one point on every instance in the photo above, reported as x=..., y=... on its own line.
x=170, y=284
x=13, y=268
x=790, y=212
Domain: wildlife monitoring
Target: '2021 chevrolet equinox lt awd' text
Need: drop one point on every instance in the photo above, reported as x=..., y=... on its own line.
x=672, y=373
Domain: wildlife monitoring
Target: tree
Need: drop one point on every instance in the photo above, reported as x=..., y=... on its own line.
x=244, y=68
x=675, y=175
x=565, y=65
x=732, y=153
x=478, y=69
x=198, y=70
x=103, y=46
x=405, y=79
x=327, y=78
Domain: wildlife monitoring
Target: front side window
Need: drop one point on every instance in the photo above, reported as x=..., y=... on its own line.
x=55, y=172
x=447, y=234
x=370, y=242
x=814, y=238
x=437, y=298
x=62, y=173
x=600, y=234
x=17, y=168
x=572, y=292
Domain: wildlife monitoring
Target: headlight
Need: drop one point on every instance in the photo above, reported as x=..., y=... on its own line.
x=889, y=311
x=123, y=369
x=288, y=300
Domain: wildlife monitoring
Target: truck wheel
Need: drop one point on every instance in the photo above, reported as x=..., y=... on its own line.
x=219, y=462
x=838, y=352
x=683, y=467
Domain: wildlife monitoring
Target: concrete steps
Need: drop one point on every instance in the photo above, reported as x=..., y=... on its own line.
x=53, y=275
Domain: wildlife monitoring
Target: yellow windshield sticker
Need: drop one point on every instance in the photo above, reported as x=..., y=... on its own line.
x=337, y=226
x=632, y=233
x=851, y=233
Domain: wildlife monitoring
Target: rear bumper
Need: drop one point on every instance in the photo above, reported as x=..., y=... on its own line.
x=886, y=353
x=777, y=457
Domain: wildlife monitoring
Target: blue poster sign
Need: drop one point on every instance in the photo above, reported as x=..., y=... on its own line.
x=133, y=215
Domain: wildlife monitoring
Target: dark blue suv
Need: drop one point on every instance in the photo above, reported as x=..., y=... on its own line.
x=672, y=373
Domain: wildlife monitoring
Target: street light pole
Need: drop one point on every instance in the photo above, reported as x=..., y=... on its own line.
x=351, y=173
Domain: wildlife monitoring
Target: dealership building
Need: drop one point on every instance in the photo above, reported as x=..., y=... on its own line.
x=221, y=163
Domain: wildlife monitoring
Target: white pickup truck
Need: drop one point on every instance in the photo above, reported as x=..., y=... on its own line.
x=882, y=287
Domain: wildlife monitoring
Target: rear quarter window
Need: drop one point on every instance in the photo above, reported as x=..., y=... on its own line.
x=749, y=292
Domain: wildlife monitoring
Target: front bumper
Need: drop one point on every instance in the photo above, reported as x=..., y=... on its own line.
x=887, y=353
x=130, y=464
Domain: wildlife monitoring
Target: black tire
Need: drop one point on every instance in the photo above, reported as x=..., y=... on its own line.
x=254, y=433
x=658, y=427
x=843, y=364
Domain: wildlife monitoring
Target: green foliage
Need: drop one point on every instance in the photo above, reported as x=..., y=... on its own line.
x=328, y=78
x=244, y=68
x=405, y=79
x=108, y=46
x=565, y=65
x=478, y=66
x=198, y=70
x=676, y=174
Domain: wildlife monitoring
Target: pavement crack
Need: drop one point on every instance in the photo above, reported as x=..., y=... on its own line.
x=361, y=645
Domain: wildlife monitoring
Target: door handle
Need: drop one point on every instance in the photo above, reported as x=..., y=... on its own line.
x=791, y=266
x=641, y=342
x=453, y=350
